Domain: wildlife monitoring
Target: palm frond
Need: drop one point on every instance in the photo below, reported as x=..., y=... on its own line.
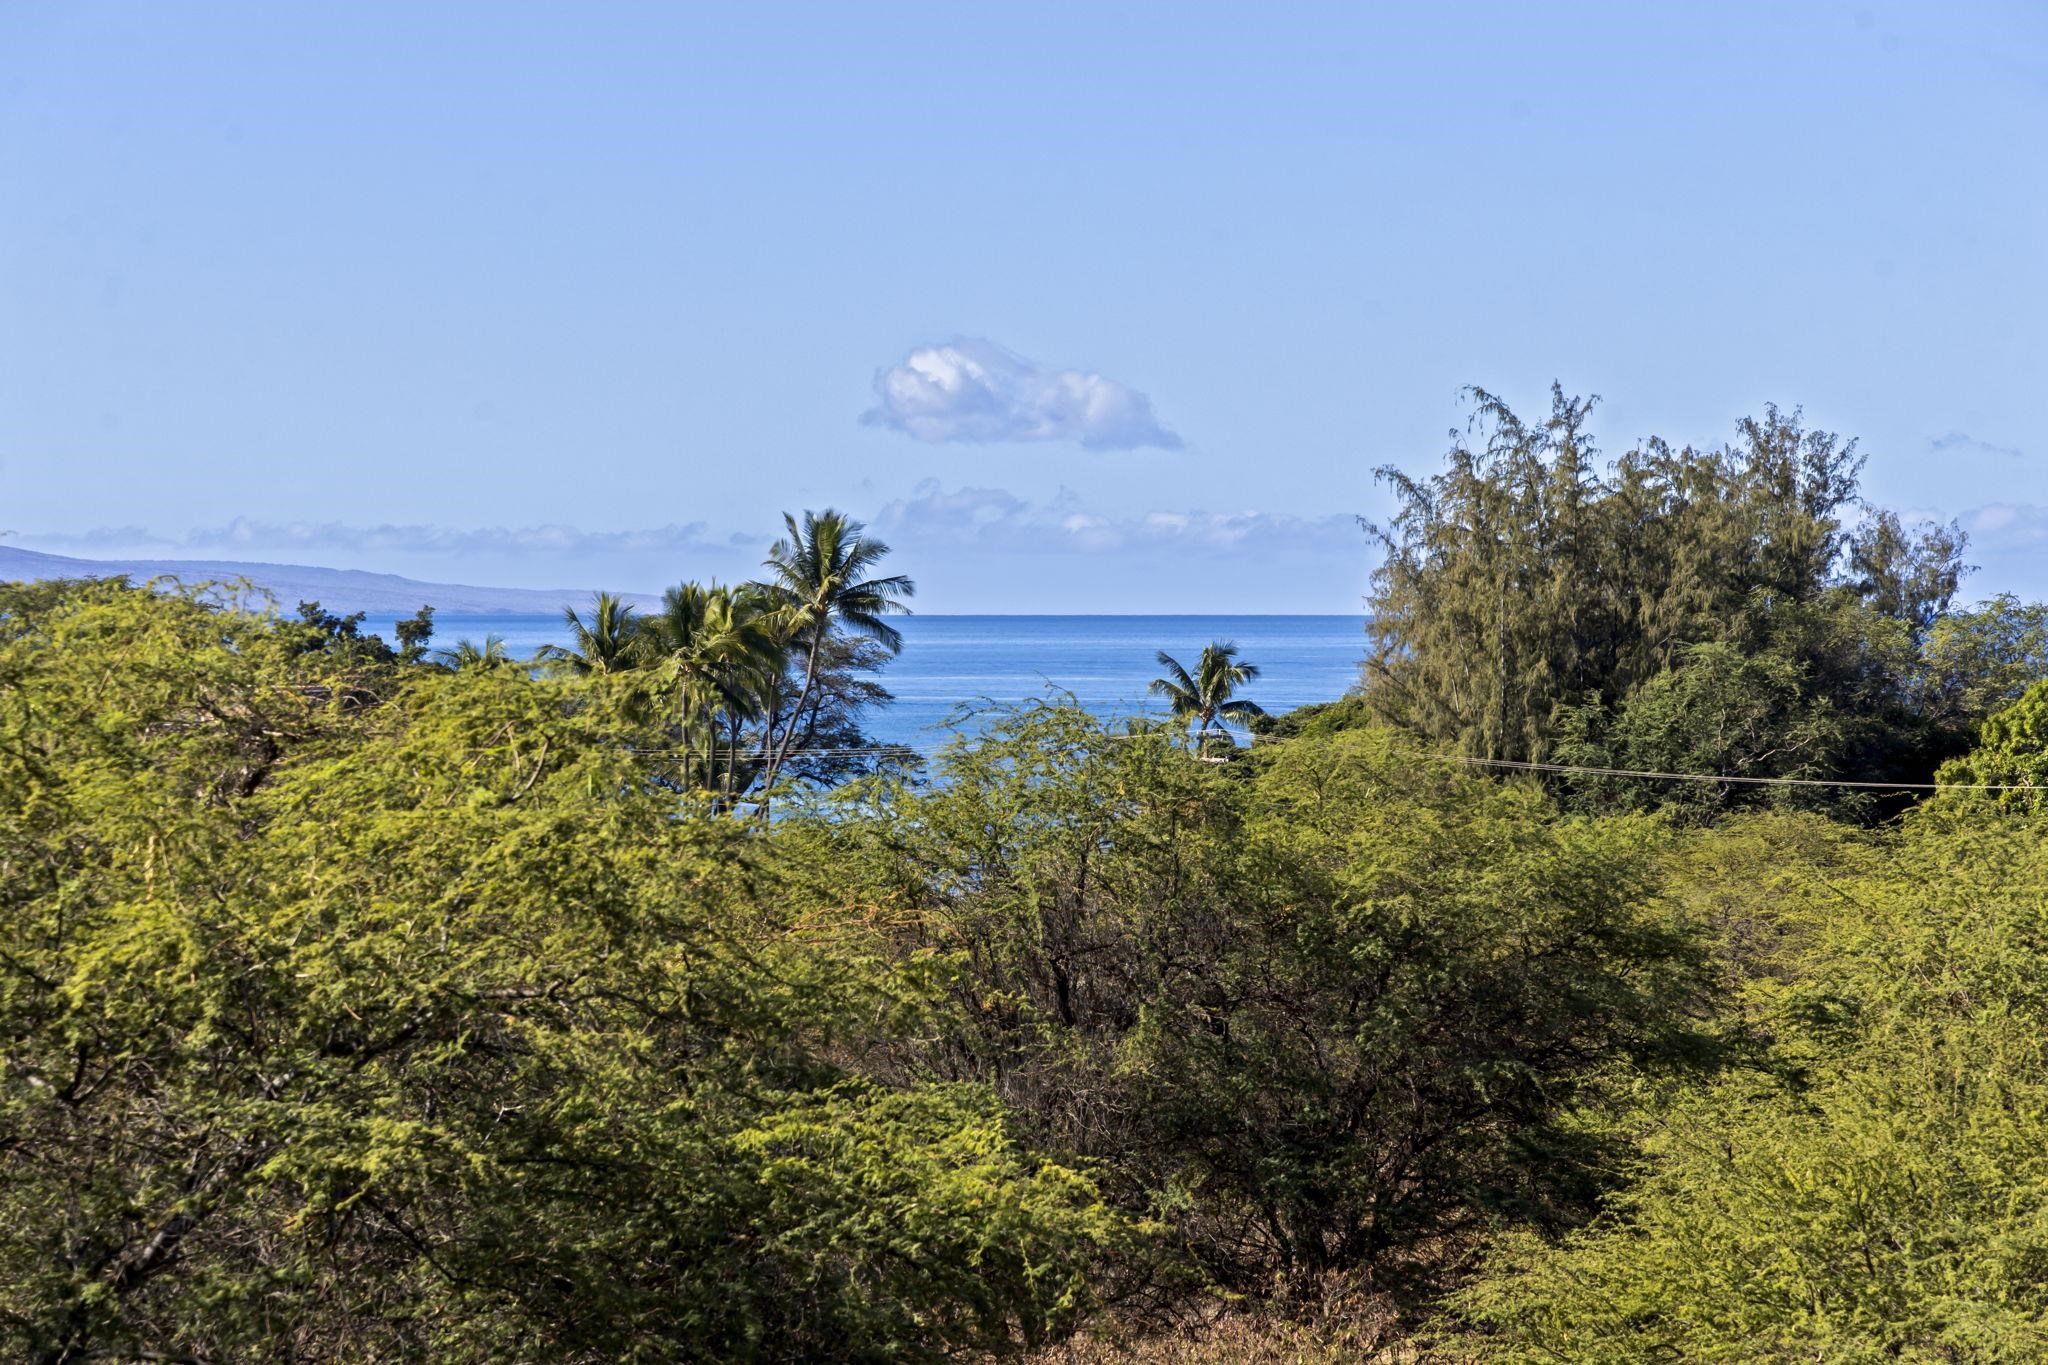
x=1177, y=673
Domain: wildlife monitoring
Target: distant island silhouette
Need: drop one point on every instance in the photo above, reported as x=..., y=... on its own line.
x=339, y=590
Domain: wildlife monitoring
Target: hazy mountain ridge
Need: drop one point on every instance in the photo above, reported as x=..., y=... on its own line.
x=339, y=590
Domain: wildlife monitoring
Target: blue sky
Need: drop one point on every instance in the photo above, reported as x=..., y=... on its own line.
x=1088, y=307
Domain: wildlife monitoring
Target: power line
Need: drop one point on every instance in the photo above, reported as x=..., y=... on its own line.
x=1510, y=764
x=872, y=750
x=876, y=751
x=1519, y=765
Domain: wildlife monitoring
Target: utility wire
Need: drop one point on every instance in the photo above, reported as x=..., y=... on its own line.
x=1510, y=764
x=1576, y=770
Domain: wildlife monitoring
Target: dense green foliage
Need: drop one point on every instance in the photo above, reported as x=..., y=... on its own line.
x=372, y=1002
x=2012, y=752
x=1860, y=1175
x=352, y=1013
x=358, y=1008
x=1309, y=1015
x=1729, y=611
x=1874, y=1186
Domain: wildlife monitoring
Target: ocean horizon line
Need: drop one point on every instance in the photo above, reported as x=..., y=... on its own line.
x=1045, y=615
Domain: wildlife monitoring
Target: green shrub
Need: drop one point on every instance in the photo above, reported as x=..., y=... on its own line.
x=1314, y=1009
x=1876, y=1189
x=391, y=1012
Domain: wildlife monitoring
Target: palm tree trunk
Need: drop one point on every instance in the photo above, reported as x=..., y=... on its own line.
x=796, y=712
x=686, y=745
x=732, y=756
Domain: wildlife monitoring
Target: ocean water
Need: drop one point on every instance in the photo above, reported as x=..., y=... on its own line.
x=1104, y=661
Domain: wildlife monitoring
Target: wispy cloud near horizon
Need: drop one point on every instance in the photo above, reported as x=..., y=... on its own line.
x=1963, y=440
x=971, y=548
x=242, y=536
x=970, y=390
x=994, y=518
x=2006, y=523
x=931, y=514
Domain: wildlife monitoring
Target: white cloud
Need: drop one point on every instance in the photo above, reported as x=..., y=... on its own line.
x=976, y=391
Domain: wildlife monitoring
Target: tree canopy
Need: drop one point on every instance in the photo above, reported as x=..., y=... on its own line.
x=1871, y=1187
x=1208, y=696
x=366, y=1001
x=1533, y=605
x=357, y=1012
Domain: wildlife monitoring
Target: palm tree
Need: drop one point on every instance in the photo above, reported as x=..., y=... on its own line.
x=819, y=573
x=611, y=641
x=1207, y=696
x=469, y=654
x=724, y=647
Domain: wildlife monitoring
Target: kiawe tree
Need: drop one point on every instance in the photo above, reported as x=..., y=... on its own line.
x=1873, y=1185
x=1317, y=1012
x=351, y=1008
x=382, y=1013
x=413, y=633
x=2009, y=765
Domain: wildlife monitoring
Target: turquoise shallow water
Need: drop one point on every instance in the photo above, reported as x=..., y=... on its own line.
x=1105, y=661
